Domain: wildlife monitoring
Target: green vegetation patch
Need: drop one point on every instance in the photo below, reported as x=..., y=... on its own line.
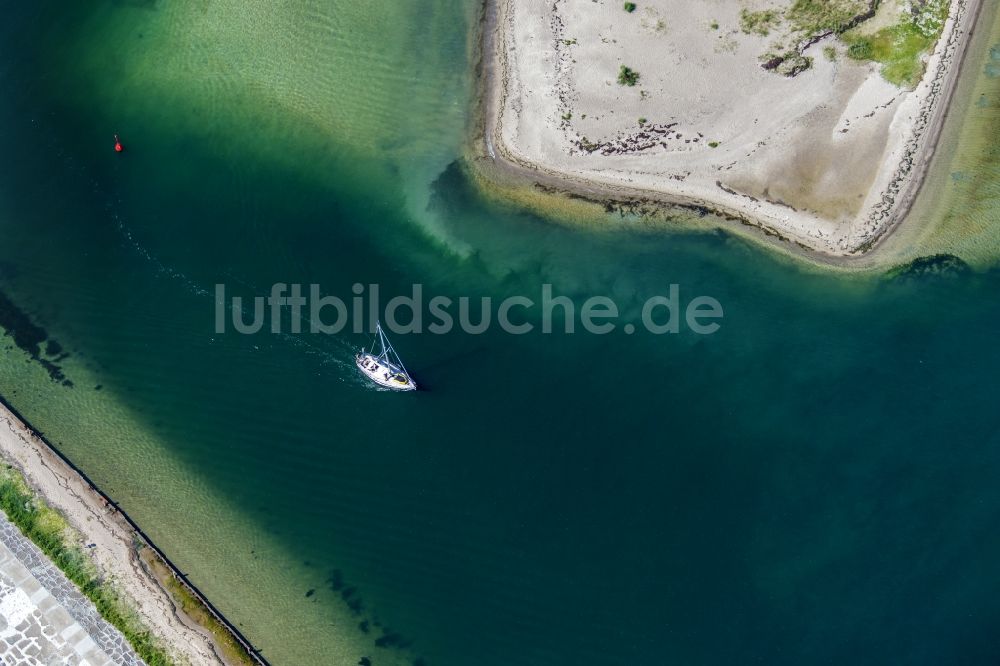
x=814, y=17
x=899, y=48
x=48, y=530
x=627, y=76
x=630, y=7
x=804, y=21
x=759, y=23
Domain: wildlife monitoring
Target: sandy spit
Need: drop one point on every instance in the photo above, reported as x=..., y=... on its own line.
x=827, y=163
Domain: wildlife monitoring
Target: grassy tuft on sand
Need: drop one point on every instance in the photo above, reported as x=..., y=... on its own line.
x=813, y=17
x=900, y=48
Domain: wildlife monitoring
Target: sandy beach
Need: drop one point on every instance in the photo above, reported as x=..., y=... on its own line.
x=114, y=552
x=829, y=160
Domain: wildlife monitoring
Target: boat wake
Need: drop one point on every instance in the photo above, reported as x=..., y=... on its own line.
x=332, y=353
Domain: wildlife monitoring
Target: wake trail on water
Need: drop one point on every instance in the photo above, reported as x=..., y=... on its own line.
x=334, y=358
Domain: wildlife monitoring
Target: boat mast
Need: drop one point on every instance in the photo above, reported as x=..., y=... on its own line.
x=382, y=340
x=388, y=352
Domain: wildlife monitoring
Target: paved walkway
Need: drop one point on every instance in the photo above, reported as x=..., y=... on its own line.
x=44, y=619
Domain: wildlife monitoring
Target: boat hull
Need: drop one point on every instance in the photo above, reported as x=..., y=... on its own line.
x=384, y=375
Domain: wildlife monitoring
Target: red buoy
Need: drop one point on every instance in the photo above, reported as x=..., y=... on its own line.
x=118, y=145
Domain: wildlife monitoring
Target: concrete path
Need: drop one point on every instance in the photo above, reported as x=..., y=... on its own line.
x=44, y=619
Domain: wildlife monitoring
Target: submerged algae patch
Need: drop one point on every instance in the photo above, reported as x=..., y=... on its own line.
x=938, y=265
x=993, y=66
x=29, y=337
x=387, y=638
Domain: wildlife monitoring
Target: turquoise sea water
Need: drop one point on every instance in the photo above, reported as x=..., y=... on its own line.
x=815, y=483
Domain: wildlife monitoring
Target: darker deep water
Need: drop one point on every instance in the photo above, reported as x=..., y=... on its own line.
x=815, y=483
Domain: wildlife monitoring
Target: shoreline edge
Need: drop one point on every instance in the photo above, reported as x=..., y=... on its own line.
x=73, y=494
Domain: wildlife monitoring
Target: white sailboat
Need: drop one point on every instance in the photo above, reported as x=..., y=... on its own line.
x=385, y=367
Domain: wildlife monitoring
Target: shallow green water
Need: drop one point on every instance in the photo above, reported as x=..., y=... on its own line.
x=814, y=483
